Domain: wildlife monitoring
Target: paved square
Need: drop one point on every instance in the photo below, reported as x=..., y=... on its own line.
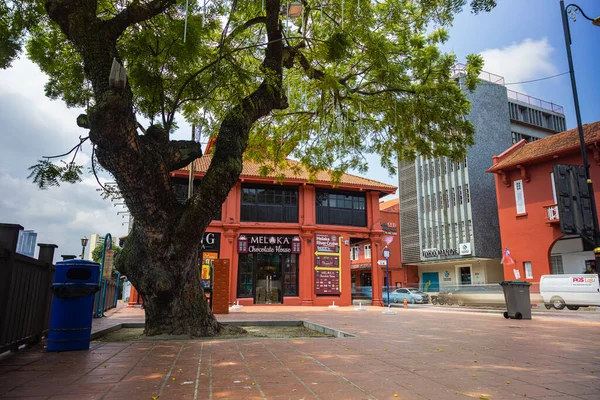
x=420, y=353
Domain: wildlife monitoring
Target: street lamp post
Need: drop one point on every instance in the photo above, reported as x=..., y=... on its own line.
x=84, y=242
x=564, y=10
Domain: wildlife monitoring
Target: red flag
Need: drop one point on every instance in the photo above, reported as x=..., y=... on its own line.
x=507, y=259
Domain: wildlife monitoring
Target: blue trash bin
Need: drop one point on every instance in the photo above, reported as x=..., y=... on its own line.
x=75, y=283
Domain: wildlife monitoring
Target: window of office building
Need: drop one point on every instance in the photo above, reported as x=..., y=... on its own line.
x=446, y=198
x=338, y=208
x=269, y=203
x=460, y=196
x=467, y=196
x=453, y=198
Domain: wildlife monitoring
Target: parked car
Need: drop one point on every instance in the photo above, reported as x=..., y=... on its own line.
x=397, y=295
x=477, y=295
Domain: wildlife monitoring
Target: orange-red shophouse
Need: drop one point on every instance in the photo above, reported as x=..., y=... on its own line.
x=290, y=242
x=527, y=204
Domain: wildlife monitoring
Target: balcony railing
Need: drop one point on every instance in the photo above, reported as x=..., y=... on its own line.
x=552, y=214
x=521, y=97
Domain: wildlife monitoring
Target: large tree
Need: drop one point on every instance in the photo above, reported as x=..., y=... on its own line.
x=342, y=79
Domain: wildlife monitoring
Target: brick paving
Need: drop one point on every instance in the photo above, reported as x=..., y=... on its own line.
x=419, y=353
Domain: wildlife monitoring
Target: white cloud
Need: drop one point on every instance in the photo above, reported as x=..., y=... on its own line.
x=518, y=62
x=33, y=126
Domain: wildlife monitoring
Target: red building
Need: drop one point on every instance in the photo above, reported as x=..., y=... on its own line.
x=527, y=204
x=289, y=243
x=361, y=254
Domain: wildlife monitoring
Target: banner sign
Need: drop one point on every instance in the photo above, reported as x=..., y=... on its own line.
x=327, y=264
x=210, y=241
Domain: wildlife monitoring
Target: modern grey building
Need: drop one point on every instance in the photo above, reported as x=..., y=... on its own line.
x=448, y=213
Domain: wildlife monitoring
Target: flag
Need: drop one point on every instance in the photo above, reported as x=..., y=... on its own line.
x=506, y=258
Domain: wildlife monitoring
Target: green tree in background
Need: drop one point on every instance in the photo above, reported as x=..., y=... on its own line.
x=341, y=80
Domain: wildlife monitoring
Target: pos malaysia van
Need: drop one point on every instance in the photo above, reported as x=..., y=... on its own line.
x=572, y=291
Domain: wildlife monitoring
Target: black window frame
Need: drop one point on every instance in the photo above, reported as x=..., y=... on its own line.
x=269, y=203
x=340, y=208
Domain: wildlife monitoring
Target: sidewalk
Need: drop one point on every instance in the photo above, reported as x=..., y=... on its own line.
x=417, y=354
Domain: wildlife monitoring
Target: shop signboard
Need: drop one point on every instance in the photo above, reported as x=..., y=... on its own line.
x=327, y=264
x=210, y=241
x=327, y=282
x=327, y=243
x=281, y=244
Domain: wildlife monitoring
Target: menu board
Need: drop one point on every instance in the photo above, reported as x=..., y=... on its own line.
x=327, y=264
x=327, y=282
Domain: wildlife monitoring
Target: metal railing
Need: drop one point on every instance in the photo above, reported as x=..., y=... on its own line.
x=25, y=294
x=552, y=213
x=534, y=101
x=520, y=97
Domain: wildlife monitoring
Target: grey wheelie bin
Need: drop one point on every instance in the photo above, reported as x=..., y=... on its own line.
x=518, y=301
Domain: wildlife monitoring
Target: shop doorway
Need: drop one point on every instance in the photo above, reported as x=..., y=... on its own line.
x=465, y=275
x=268, y=279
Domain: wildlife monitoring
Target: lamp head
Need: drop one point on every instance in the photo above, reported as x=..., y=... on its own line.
x=596, y=21
x=84, y=241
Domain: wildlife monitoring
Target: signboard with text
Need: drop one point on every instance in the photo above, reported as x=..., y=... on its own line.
x=327, y=264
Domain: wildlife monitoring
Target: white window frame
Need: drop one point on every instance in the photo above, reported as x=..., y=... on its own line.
x=354, y=250
x=519, y=197
x=367, y=251
x=553, y=188
x=528, y=270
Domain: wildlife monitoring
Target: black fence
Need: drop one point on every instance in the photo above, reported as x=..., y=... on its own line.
x=25, y=296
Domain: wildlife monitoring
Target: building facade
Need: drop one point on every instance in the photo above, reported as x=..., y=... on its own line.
x=527, y=205
x=361, y=256
x=98, y=240
x=290, y=243
x=448, y=216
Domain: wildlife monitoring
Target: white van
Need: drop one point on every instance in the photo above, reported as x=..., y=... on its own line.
x=572, y=291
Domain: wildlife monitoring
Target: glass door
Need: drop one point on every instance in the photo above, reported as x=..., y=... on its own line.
x=268, y=279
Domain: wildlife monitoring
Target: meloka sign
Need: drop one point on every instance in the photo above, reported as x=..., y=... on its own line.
x=440, y=252
x=269, y=243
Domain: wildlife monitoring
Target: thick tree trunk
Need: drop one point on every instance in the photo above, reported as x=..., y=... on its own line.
x=161, y=254
x=164, y=269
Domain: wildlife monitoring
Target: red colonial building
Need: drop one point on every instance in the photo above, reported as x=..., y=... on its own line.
x=289, y=243
x=527, y=204
x=361, y=254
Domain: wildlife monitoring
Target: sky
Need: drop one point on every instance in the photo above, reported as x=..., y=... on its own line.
x=520, y=40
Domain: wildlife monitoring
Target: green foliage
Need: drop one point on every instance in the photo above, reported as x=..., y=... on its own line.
x=97, y=253
x=46, y=173
x=372, y=80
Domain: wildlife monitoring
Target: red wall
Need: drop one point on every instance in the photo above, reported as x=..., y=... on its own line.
x=231, y=227
x=529, y=237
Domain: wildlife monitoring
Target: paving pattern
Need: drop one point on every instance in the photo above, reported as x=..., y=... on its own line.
x=417, y=354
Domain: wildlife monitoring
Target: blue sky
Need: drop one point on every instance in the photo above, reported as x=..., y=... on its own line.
x=514, y=21
x=520, y=40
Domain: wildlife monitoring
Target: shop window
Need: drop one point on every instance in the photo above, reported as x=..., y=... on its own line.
x=245, y=275
x=528, y=270
x=269, y=203
x=367, y=251
x=337, y=208
x=290, y=275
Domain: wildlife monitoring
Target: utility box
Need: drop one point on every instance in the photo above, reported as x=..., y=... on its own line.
x=220, y=294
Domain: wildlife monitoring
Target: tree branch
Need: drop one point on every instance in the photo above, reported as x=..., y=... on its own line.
x=137, y=12
x=182, y=152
